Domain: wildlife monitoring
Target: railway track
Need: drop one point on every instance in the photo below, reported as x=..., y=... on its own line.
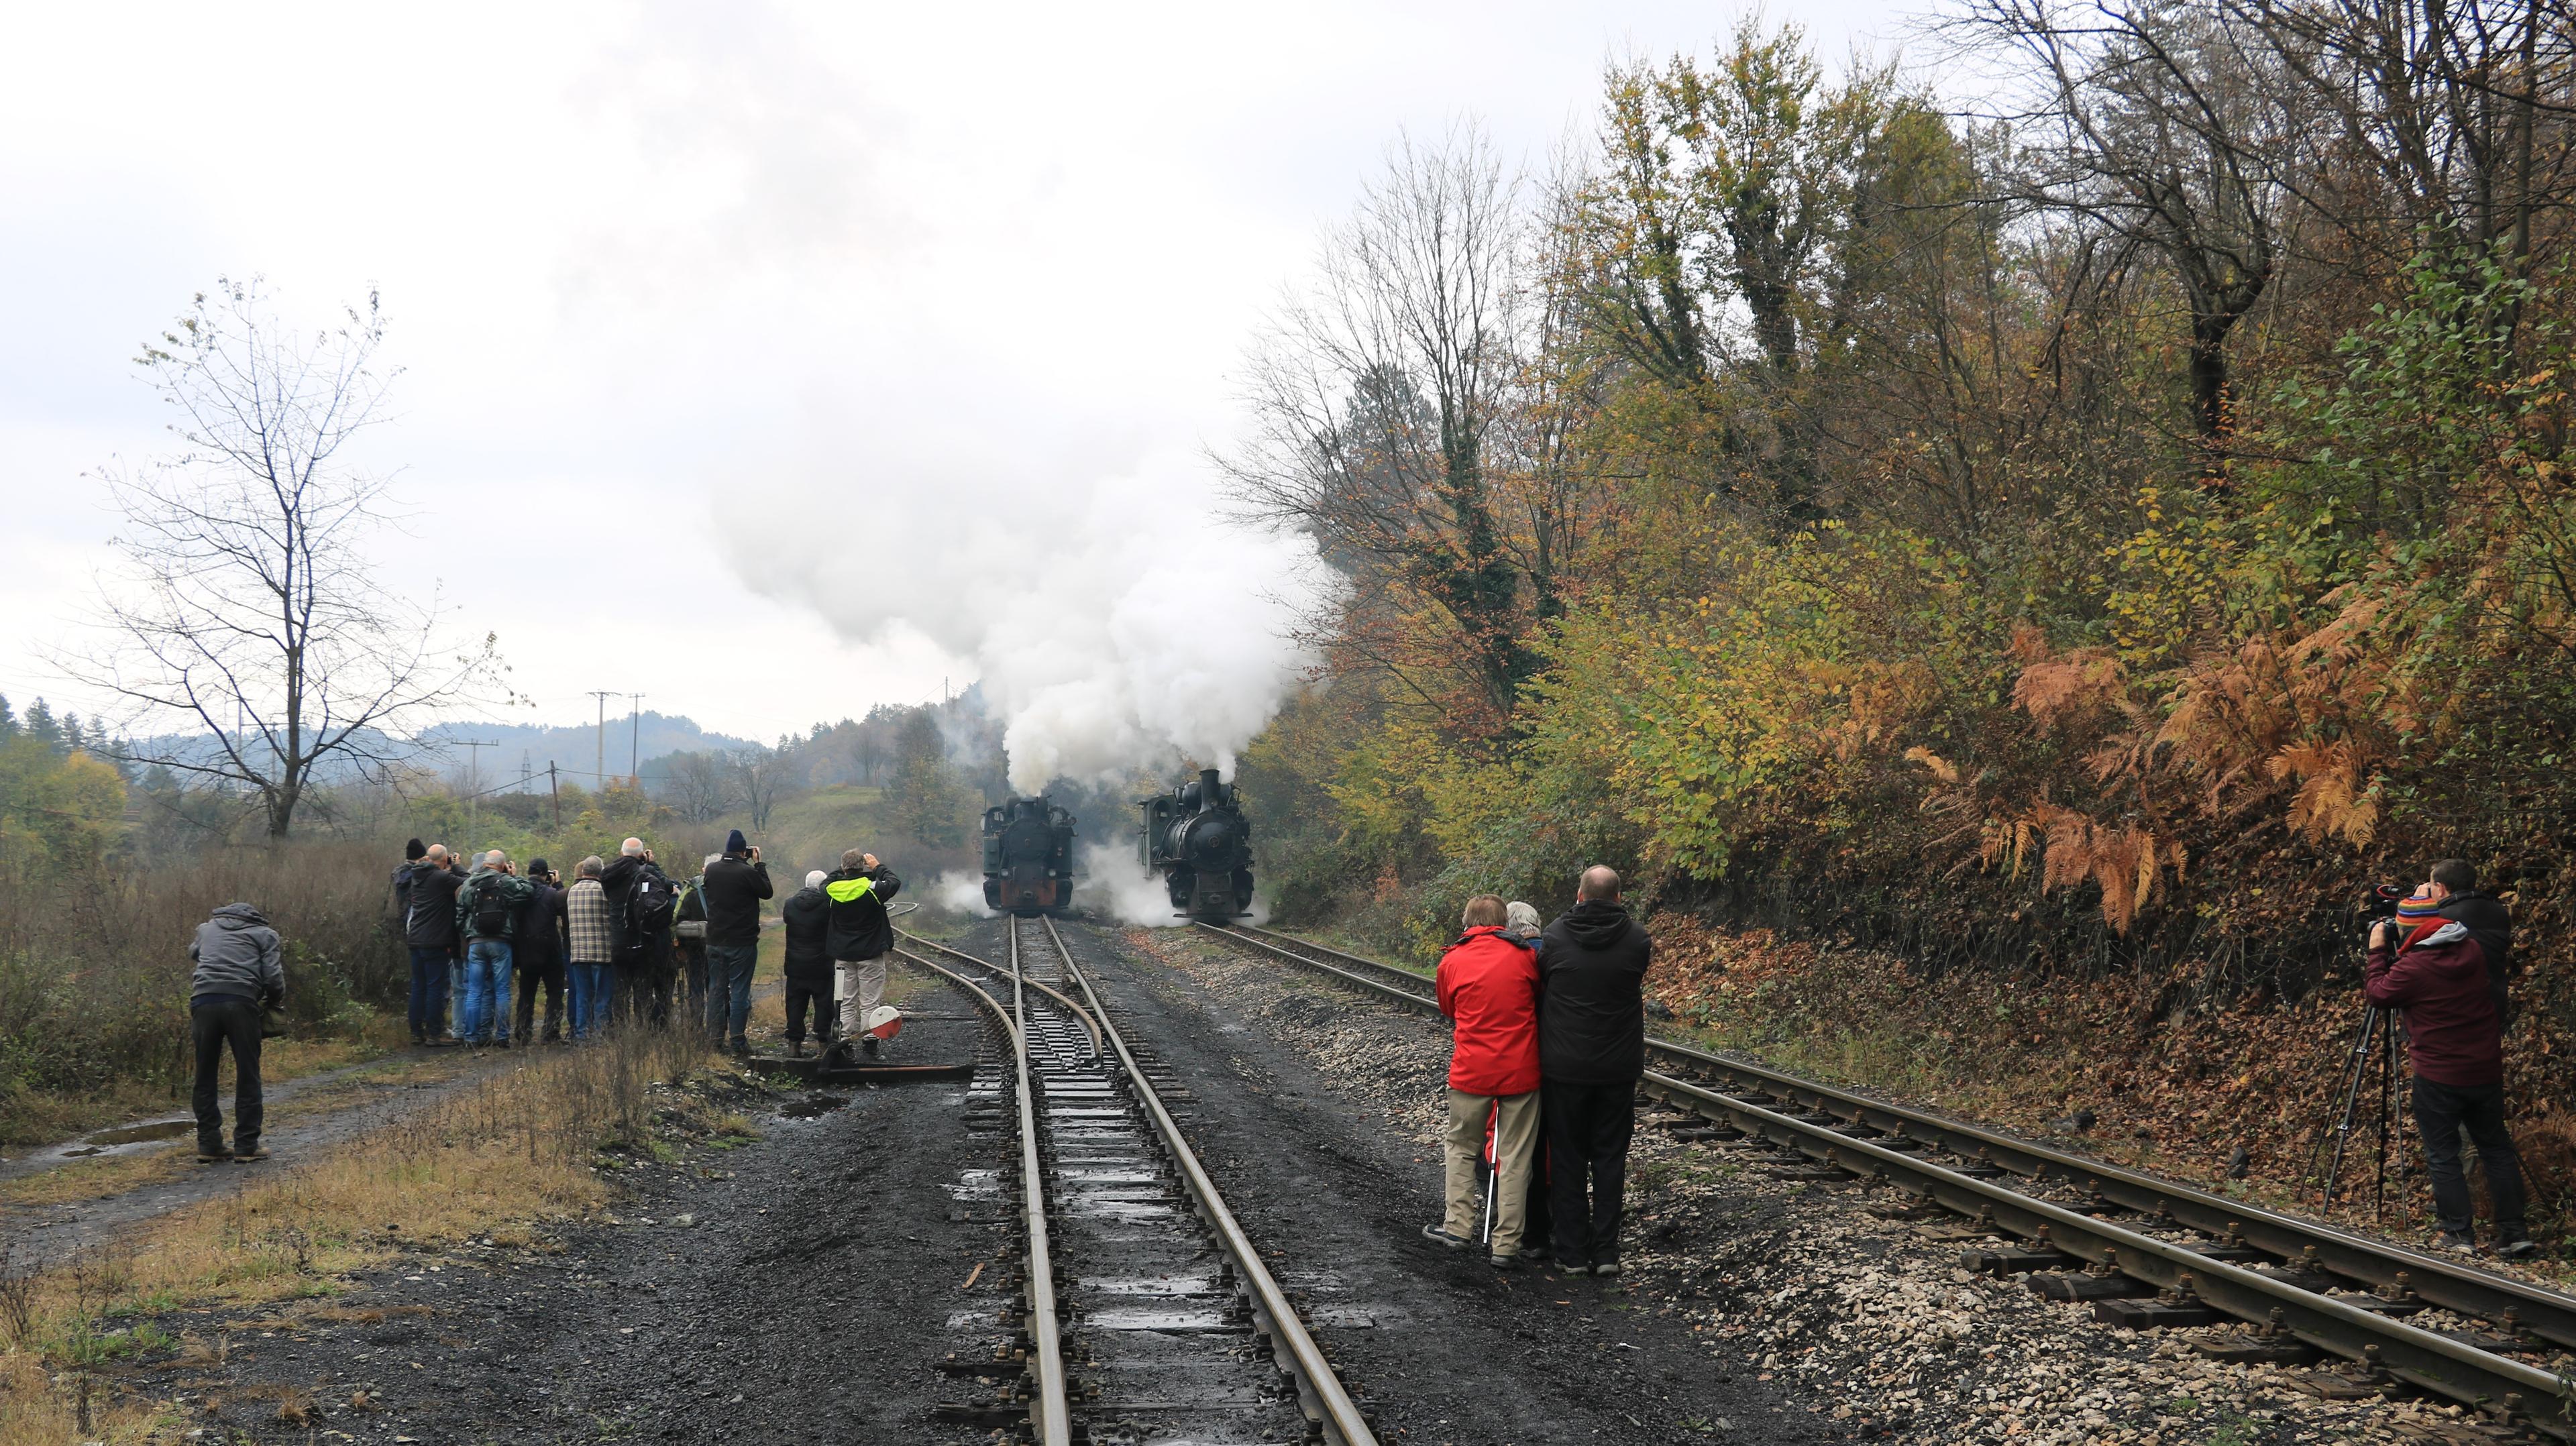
x=2148, y=1252
x=1145, y=1312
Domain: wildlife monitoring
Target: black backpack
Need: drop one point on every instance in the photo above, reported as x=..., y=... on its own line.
x=648, y=905
x=491, y=914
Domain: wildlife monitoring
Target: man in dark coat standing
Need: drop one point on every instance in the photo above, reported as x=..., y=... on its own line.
x=1591, y=1050
x=806, y=919
x=734, y=886
x=642, y=990
x=537, y=954
x=429, y=930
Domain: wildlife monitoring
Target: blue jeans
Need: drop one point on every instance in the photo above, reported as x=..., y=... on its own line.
x=729, y=987
x=428, y=991
x=588, y=985
x=487, y=988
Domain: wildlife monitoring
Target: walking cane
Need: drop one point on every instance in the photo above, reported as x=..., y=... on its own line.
x=1493, y=1167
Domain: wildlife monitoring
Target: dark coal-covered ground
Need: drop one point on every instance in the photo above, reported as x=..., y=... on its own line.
x=806, y=1287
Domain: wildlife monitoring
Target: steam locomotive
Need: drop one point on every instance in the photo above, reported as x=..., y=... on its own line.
x=1028, y=857
x=1197, y=838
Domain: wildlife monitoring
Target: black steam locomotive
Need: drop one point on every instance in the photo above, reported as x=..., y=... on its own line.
x=1197, y=838
x=1028, y=857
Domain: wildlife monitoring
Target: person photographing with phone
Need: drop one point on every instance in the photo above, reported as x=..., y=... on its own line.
x=2438, y=971
x=735, y=884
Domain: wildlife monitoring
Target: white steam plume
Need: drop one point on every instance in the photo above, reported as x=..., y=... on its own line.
x=1112, y=622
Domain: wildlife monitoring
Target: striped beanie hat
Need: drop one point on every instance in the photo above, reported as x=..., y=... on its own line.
x=2417, y=916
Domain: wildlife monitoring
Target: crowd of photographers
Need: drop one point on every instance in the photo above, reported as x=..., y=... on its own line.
x=617, y=944
x=625, y=940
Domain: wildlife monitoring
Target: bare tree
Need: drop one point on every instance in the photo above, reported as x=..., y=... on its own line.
x=2169, y=129
x=1381, y=396
x=702, y=784
x=759, y=776
x=250, y=619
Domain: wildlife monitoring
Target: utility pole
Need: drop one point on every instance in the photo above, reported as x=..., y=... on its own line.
x=599, y=774
x=474, y=799
x=634, y=744
x=554, y=790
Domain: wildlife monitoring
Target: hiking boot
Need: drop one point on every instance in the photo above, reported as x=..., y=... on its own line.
x=795, y=1049
x=502, y=1043
x=1605, y=1267
x=214, y=1154
x=419, y=1040
x=1438, y=1235
x=2458, y=1242
x=1537, y=1252
x=248, y=1150
x=2517, y=1248
x=1506, y=1262
x=740, y=1048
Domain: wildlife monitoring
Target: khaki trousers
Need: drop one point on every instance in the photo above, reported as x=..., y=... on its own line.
x=1515, y=1131
x=861, y=985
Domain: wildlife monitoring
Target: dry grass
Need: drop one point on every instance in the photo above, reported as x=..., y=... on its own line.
x=537, y=1143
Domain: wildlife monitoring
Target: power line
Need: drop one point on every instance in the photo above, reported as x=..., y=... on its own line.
x=603, y=695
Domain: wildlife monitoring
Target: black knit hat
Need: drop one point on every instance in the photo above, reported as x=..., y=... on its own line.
x=537, y=866
x=415, y=849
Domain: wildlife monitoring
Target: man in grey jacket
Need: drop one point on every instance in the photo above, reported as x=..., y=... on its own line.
x=239, y=971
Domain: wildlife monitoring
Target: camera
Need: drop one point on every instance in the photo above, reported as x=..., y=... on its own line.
x=2382, y=901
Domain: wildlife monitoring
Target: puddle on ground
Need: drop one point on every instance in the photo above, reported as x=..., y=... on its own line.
x=108, y=1142
x=811, y=1106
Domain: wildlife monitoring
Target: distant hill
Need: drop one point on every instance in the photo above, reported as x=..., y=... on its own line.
x=573, y=748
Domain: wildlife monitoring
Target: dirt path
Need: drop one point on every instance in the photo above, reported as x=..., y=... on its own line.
x=304, y=1115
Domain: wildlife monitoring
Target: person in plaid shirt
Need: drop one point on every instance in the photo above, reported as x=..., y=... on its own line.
x=592, y=944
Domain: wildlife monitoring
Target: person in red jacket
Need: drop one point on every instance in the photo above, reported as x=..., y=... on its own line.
x=1488, y=985
x=2436, y=970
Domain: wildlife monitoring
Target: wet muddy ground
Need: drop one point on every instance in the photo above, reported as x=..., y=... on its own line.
x=805, y=1288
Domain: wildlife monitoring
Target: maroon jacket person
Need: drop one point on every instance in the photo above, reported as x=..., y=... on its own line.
x=2436, y=971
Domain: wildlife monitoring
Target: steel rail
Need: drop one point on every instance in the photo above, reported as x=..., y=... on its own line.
x=1326, y=1400
x=2378, y=1264
x=1051, y=1413
x=1078, y=1011
x=2435, y=1362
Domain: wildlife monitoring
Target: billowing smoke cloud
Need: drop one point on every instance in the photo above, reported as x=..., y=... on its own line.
x=1113, y=622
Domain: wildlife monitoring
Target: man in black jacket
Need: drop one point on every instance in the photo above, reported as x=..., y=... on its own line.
x=806, y=918
x=429, y=931
x=2486, y=918
x=1591, y=1050
x=861, y=934
x=640, y=903
x=537, y=953
x=735, y=884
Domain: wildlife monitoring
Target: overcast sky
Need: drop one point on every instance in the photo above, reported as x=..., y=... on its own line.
x=665, y=280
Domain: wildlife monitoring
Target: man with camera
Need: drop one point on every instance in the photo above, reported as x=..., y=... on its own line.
x=733, y=887
x=2436, y=968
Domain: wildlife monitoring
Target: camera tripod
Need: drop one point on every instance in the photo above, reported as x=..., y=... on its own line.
x=2374, y=1043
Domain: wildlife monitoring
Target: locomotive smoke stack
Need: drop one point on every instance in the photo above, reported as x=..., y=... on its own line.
x=1208, y=785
